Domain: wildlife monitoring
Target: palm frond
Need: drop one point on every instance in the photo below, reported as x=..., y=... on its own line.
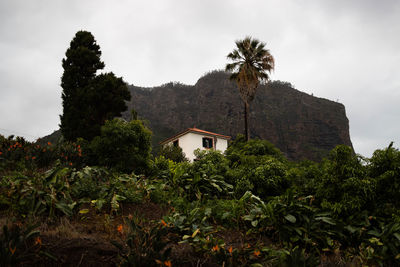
x=251, y=64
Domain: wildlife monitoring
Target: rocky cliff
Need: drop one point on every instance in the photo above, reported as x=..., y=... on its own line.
x=300, y=125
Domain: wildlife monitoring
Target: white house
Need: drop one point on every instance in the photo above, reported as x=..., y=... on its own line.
x=192, y=138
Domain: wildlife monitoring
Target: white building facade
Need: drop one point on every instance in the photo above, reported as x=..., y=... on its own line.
x=193, y=138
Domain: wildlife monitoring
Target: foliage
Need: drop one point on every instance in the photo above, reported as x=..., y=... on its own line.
x=293, y=221
x=255, y=147
x=384, y=167
x=88, y=100
x=286, y=213
x=15, y=153
x=382, y=244
x=263, y=175
x=60, y=190
x=123, y=145
x=173, y=153
x=298, y=257
x=106, y=96
x=35, y=195
x=19, y=154
x=162, y=167
x=304, y=177
x=258, y=166
x=18, y=243
x=104, y=189
x=344, y=187
x=205, y=177
x=143, y=245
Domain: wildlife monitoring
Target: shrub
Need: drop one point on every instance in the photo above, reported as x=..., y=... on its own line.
x=254, y=147
x=173, y=153
x=385, y=169
x=123, y=145
x=16, y=153
x=304, y=176
x=263, y=175
x=344, y=187
x=18, y=243
x=203, y=178
x=144, y=245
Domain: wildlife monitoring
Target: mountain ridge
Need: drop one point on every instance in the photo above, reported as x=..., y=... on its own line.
x=300, y=125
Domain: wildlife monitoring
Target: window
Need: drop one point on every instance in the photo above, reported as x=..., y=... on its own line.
x=176, y=143
x=207, y=142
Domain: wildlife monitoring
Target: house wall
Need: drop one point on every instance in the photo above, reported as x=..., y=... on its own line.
x=192, y=141
x=222, y=144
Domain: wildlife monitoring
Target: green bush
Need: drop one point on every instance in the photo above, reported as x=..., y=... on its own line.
x=173, y=153
x=292, y=221
x=304, y=177
x=39, y=193
x=124, y=146
x=19, y=154
x=344, y=186
x=254, y=147
x=16, y=153
x=263, y=175
x=103, y=188
x=384, y=167
x=206, y=176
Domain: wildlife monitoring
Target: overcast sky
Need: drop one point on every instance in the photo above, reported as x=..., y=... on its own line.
x=342, y=50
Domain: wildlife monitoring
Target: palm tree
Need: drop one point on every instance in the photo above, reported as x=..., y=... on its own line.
x=251, y=63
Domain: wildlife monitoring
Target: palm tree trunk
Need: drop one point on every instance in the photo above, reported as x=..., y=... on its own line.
x=246, y=121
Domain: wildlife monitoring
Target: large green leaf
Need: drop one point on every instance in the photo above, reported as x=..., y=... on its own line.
x=327, y=220
x=290, y=218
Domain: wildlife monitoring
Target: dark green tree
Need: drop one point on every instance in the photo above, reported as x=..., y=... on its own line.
x=124, y=146
x=251, y=63
x=106, y=97
x=88, y=99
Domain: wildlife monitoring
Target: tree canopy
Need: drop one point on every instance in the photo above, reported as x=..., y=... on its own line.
x=88, y=99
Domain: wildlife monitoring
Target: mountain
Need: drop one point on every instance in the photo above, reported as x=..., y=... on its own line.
x=300, y=125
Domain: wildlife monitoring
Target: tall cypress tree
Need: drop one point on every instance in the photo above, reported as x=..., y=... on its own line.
x=88, y=99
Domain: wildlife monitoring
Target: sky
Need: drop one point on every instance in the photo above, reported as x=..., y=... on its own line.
x=341, y=50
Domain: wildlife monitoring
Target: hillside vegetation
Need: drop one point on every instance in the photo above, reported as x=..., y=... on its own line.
x=247, y=207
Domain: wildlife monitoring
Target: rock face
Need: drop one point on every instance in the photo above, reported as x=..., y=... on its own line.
x=300, y=125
